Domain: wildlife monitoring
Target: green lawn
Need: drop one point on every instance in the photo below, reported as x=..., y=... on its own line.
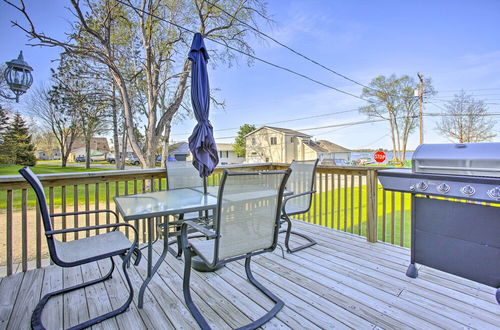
x=46, y=169
x=347, y=218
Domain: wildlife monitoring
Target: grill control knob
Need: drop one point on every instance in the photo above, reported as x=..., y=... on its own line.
x=494, y=193
x=443, y=188
x=422, y=186
x=412, y=187
x=468, y=190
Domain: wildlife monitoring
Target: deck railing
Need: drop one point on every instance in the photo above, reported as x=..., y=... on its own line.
x=347, y=198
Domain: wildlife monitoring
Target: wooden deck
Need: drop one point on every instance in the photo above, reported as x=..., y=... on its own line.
x=342, y=282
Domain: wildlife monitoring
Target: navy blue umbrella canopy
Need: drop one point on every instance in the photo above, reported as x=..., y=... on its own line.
x=201, y=141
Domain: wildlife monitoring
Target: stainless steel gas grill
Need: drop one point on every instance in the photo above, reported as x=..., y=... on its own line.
x=460, y=233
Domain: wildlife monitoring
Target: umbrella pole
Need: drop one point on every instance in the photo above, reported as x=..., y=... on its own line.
x=205, y=192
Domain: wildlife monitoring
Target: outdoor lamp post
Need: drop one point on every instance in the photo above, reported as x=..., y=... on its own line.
x=18, y=77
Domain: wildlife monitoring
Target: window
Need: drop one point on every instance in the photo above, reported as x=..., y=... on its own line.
x=253, y=141
x=254, y=153
x=291, y=139
x=274, y=140
x=267, y=159
x=224, y=154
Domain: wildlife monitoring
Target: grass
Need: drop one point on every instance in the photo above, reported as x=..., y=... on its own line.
x=347, y=216
x=46, y=169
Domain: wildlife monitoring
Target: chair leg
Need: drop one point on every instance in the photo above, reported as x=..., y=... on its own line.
x=289, y=231
x=187, y=291
x=36, y=317
x=278, y=302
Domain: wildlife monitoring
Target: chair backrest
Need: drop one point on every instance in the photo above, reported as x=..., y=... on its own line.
x=182, y=175
x=40, y=195
x=248, y=213
x=300, y=181
x=44, y=211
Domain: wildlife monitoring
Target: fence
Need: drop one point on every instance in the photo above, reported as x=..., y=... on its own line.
x=347, y=198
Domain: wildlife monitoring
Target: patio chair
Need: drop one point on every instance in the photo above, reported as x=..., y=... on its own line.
x=181, y=175
x=82, y=251
x=301, y=183
x=246, y=224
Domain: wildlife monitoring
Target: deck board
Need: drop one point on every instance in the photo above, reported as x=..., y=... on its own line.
x=342, y=282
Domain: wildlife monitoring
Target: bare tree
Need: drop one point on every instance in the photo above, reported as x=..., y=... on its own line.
x=119, y=34
x=392, y=99
x=56, y=117
x=81, y=86
x=465, y=119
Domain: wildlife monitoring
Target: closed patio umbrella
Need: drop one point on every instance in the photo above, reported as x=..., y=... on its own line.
x=201, y=141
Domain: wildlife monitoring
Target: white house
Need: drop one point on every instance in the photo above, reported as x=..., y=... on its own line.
x=227, y=155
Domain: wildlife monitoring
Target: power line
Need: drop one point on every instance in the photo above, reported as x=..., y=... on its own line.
x=289, y=48
x=323, y=127
x=247, y=54
x=466, y=90
x=283, y=121
x=373, y=142
x=439, y=114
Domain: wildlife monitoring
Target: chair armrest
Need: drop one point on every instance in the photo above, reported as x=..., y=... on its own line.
x=83, y=212
x=111, y=225
x=286, y=199
x=205, y=231
x=298, y=195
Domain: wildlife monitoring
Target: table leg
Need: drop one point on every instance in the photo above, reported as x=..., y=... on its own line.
x=152, y=270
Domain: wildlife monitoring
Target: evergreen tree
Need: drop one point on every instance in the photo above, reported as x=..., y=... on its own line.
x=4, y=120
x=17, y=143
x=4, y=123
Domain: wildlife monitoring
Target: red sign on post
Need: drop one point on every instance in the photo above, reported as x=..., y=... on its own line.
x=379, y=156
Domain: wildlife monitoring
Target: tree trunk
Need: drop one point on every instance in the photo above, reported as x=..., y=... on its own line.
x=87, y=151
x=394, y=152
x=116, y=143
x=123, y=153
x=166, y=138
x=64, y=157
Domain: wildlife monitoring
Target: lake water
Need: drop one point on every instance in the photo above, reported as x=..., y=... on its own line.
x=358, y=155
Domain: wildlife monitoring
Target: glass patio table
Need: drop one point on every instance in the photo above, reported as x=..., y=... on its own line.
x=147, y=206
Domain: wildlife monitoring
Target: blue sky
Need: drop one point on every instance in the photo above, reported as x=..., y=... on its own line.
x=456, y=43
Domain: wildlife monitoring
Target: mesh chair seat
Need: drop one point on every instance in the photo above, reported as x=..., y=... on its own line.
x=205, y=249
x=92, y=247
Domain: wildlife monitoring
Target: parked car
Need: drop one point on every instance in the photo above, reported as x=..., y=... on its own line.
x=131, y=159
x=80, y=159
x=111, y=159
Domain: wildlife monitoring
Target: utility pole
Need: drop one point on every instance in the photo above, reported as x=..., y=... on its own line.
x=421, y=113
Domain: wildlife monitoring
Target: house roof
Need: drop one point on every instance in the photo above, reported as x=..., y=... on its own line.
x=314, y=146
x=281, y=130
x=328, y=146
x=96, y=143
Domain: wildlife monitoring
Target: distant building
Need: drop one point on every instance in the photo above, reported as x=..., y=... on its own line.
x=282, y=145
x=99, y=148
x=227, y=155
x=180, y=151
x=331, y=153
x=44, y=155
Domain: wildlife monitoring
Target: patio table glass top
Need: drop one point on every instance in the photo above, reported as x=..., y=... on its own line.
x=160, y=203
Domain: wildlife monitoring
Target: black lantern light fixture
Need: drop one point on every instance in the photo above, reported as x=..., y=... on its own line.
x=18, y=77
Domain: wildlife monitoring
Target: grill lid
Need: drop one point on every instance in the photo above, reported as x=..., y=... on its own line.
x=472, y=159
